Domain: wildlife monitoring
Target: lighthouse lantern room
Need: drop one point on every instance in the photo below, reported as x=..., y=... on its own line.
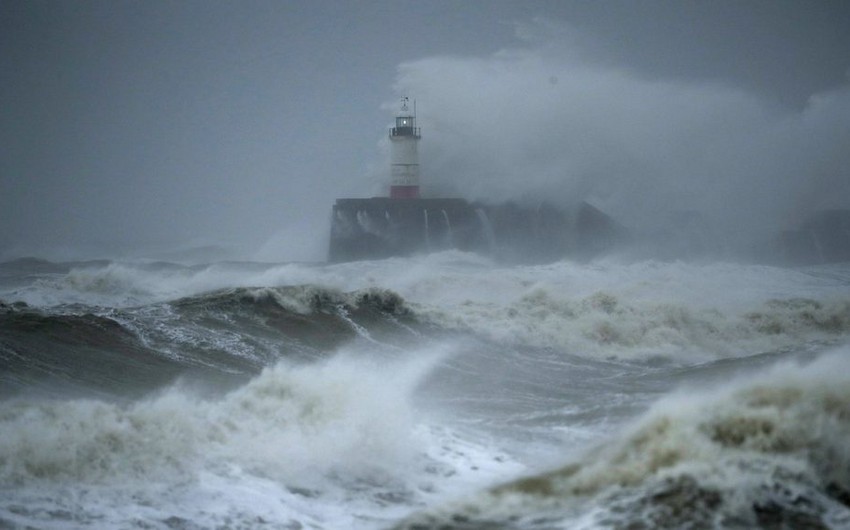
x=404, y=137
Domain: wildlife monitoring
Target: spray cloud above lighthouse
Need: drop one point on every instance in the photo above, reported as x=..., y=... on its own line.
x=404, y=223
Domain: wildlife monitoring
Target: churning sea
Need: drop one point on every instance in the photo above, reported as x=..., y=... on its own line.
x=439, y=391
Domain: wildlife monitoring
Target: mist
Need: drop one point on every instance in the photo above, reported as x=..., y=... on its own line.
x=541, y=123
x=207, y=130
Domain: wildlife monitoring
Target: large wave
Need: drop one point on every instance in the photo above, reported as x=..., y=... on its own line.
x=680, y=311
x=604, y=325
x=239, y=330
x=334, y=444
x=763, y=452
x=288, y=421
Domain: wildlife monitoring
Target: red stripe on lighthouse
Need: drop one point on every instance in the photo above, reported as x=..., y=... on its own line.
x=404, y=192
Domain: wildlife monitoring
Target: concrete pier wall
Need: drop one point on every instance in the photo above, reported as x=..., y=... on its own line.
x=381, y=227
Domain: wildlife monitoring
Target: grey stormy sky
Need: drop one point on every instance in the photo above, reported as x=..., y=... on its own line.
x=131, y=127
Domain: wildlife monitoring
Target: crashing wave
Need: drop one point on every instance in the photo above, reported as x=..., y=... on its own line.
x=764, y=453
x=603, y=324
x=238, y=330
x=301, y=299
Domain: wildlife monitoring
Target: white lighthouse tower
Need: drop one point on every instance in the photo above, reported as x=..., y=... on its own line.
x=404, y=173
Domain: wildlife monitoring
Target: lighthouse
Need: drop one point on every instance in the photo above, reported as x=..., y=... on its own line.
x=404, y=224
x=404, y=170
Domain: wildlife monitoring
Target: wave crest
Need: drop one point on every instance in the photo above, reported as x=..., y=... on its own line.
x=770, y=449
x=302, y=299
x=239, y=330
x=604, y=324
x=287, y=423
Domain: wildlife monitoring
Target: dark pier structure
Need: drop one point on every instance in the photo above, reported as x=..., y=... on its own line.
x=404, y=224
x=383, y=227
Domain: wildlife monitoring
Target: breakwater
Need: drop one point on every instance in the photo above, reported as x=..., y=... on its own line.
x=382, y=227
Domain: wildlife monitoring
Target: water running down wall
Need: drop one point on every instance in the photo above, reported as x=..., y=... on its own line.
x=380, y=227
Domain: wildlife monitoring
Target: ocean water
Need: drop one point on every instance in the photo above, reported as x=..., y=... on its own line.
x=439, y=391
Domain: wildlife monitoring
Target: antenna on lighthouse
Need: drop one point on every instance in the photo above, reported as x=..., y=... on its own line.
x=404, y=137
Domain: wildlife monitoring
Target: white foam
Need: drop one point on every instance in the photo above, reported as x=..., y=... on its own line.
x=778, y=437
x=332, y=445
x=687, y=311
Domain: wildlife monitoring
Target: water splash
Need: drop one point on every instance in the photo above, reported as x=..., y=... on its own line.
x=487, y=228
x=449, y=234
x=427, y=230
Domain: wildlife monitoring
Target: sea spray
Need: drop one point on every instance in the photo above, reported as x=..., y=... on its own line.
x=287, y=420
x=336, y=437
